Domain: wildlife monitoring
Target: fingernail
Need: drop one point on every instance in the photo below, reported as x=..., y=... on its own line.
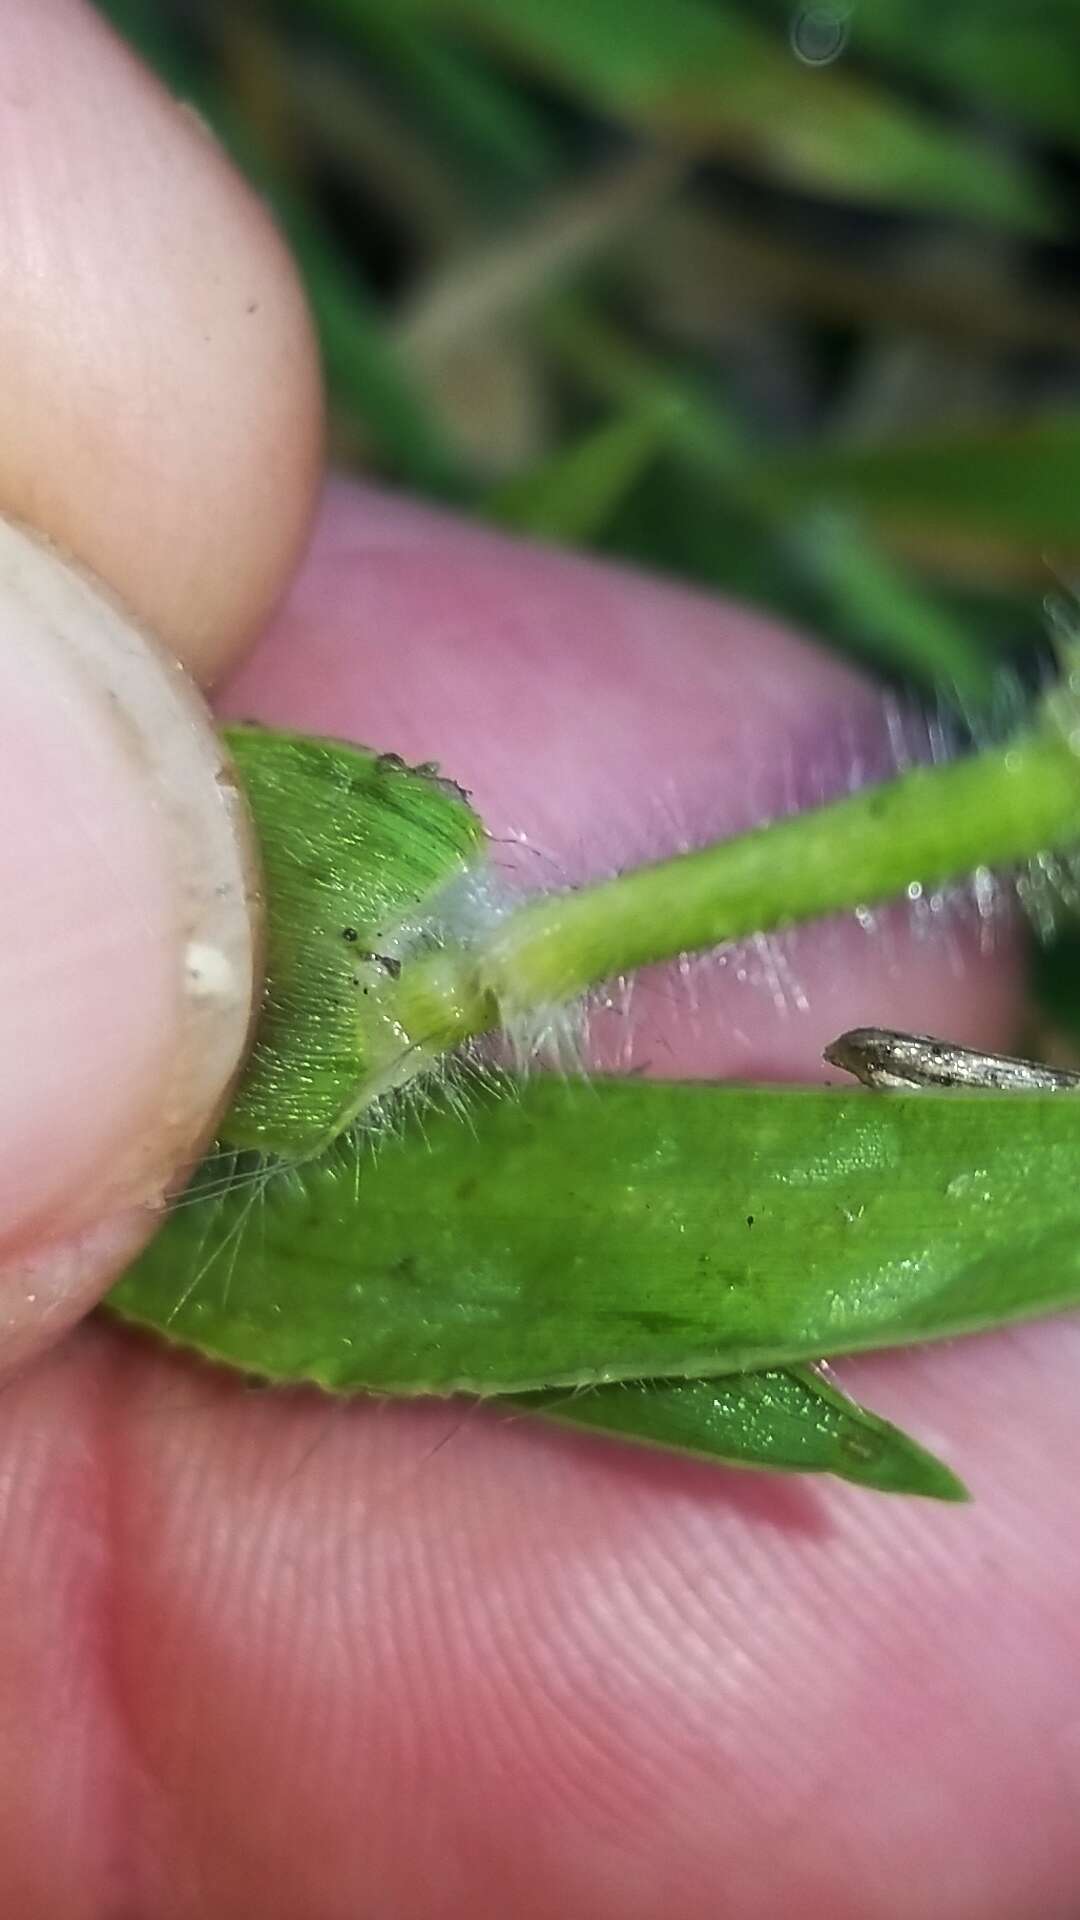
x=127, y=950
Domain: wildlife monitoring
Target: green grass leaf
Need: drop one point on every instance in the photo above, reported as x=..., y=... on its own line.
x=579, y=1233
x=1024, y=59
x=1015, y=485
x=708, y=76
x=367, y=377
x=700, y=507
x=792, y=1421
x=574, y=494
x=498, y=137
x=887, y=616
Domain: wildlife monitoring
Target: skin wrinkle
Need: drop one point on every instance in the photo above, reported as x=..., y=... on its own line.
x=123, y=1444
x=72, y=1536
x=578, y=1776
x=522, y=1617
x=670, y=1617
x=134, y=1817
x=665, y=1765
x=125, y=1822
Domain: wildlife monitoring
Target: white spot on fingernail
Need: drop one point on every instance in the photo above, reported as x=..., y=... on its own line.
x=210, y=973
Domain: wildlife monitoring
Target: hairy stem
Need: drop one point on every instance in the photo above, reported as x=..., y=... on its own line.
x=929, y=826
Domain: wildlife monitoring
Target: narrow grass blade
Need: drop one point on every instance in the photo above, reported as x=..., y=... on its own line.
x=1015, y=485
x=791, y=1420
x=575, y=493
x=709, y=76
x=1023, y=60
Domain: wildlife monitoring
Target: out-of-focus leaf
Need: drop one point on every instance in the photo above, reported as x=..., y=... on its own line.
x=702, y=510
x=1023, y=58
x=348, y=121
x=1056, y=979
x=512, y=270
x=576, y=1234
x=573, y=495
x=707, y=75
x=367, y=377
x=494, y=130
x=884, y=613
x=794, y=1421
x=1014, y=485
x=701, y=268
x=615, y=368
x=366, y=374
x=153, y=37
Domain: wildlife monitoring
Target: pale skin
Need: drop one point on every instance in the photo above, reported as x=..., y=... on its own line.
x=259, y=1655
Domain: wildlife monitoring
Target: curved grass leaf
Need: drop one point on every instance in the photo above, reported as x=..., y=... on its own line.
x=698, y=504
x=494, y=130
x=1023, y=59
x=710, y=77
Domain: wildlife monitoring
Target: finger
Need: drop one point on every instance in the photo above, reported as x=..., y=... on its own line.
x=159, y=400
x=442, y=1664
x=160, y=422
x=436, y=1664
x=128, y=963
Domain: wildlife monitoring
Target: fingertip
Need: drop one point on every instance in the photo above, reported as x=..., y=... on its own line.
x=160, y=397
x=128, y=964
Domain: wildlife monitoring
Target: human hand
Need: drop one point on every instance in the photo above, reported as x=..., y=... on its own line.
x=262, y=1652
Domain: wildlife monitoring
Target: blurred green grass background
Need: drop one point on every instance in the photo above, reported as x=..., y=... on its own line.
x=783, y=299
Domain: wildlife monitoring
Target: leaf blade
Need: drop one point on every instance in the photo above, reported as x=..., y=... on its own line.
x=1018, y=483
x=791, y=1421
x=583, y=1233
x=710, y=77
